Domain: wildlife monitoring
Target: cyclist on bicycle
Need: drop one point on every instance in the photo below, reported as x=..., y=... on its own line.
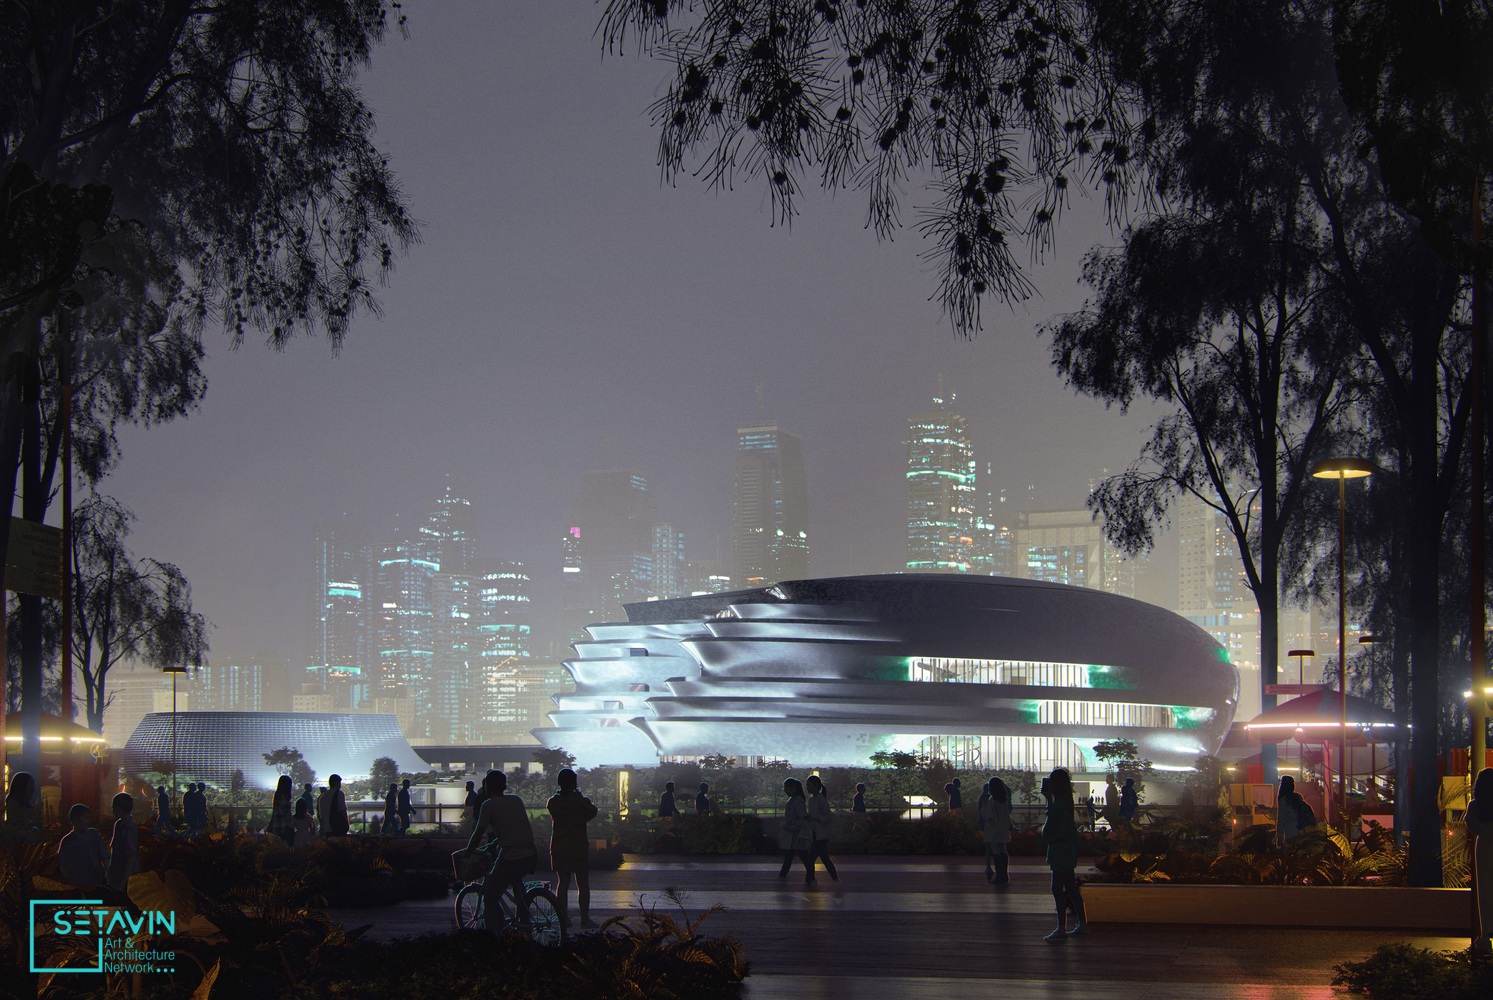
x=504, y=817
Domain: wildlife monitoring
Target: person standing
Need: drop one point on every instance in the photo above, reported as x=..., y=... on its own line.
x=391, y=811
x=1060, y=834
x=337, y=823
x=956, y=796
x=820, y=819
x=469, y=808
x=20, y=806
x=309, y=797
x=406, y=811
x=858, y=816
x=995, y=821
x=795, y=837
x=703, y=805
x=569, y=849
x=1111, y=801
x=281, y=811
x=504, y=817
x=1288, y=803
x=1129, y=801
x=303, y=827
x=81, y=855
x=666, y=806
x=164, y=826
x=1479, y=820
x=124, y=844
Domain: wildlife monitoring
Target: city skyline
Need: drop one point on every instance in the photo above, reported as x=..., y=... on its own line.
x=567, y=313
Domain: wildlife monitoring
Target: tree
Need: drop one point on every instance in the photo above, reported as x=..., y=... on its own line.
x=290, y=761
x=553, y=759
x=125, y=607
x=218, y=154
x=383, y=773
x=717, y=762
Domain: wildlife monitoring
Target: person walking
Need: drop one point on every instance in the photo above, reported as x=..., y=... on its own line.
x=666, y=806
x=391, y=811
x=703, y=805
x=469, y=808
x=505, y=819
x=858, y=815
x=995, y=821
x=281, y=811
x=124, y=844
x=1060, y=834
x=406, y=811
x=795, y=837
x=1479, y=820
x=821, y=817
x=569, y=849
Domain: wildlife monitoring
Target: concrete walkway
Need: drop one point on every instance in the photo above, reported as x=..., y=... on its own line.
x=932, y=928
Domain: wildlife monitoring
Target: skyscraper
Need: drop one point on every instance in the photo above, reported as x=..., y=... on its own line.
x=940, y=492
x=405, y=623
x=340, y=657
x=609, y=547
x=769, y=508
x=669, y=577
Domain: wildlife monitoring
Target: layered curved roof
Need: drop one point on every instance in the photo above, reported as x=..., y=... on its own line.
x=826, y=672
x=210, y=746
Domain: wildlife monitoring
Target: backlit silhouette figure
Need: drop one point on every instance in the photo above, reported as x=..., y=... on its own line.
x=820, y=818
x=1479, y=821
x=666, y=806
x=995, y=821
x=1060, y=834
x=281, y=811
x=569, y=849
x=124, y=844
x=795, y=837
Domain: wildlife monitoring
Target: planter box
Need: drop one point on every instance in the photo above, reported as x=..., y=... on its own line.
x=1386, y=908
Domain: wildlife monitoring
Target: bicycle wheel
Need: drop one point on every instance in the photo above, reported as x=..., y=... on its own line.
x=545, y=926
x=470, y=913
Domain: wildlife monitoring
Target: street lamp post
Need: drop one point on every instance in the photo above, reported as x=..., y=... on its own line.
x=1342, y=469
x=173, y=671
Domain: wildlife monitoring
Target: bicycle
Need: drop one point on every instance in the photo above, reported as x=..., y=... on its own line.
x=546, y=927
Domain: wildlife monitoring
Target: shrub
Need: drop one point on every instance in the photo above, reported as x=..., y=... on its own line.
x=1404, y=972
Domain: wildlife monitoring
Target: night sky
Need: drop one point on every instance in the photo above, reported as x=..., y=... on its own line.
x=567, y=311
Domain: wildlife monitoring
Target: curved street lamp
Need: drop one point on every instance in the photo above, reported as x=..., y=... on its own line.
x=1342, y=469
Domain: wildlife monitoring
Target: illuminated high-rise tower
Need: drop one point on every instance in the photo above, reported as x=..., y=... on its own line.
x=769, y=508
x=941, y=523
x=340, y=656
x=608, y=548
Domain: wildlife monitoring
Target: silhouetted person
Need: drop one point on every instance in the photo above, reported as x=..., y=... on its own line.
x=1060, y=834
x=337, y=823
x=1129, y=801
x=124, y=844
x=1111, y=801
x=1479, y=820
x=281, y=810
x=995, y=821
x=196, y=820
x=666, y=806
x=820, y=819
x=795, y=836
x=406, y=811
x=1093, y=813
x=20, y=806
x=506, y=823
x=569, y=849
x=303, y=827
x=309, y=797
x=858, y=817
x=469, y=807
x=1288, y=803
x=702, y=801
x=81, y=855
x=391, y=811
x=956, y=796
x=164, y=826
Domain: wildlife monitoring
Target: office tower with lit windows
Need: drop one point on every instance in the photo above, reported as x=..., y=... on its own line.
x=404, y=625
x=940, y=492
x=1068, y=546
x=769, y=508
x=994, y=535
x=231, y=684
x=668, y=563
x=340, y=657
x=1212, y=591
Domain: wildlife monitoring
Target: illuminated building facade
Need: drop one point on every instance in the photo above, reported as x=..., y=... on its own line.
x=989, y=672
x=941, y=522
x=341, y=654
x=769, y=508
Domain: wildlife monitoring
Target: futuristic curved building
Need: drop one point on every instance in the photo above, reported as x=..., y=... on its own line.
x=210, y=746
x=985, y=671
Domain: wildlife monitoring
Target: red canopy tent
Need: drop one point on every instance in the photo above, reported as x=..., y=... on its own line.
x=1315, y=720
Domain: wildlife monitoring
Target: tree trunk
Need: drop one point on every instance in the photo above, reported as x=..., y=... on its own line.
x=33, y=508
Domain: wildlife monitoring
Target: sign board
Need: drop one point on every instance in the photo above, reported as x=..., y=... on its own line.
x=33, y=562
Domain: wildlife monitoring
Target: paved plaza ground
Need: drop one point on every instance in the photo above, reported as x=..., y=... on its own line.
x=932, y=928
